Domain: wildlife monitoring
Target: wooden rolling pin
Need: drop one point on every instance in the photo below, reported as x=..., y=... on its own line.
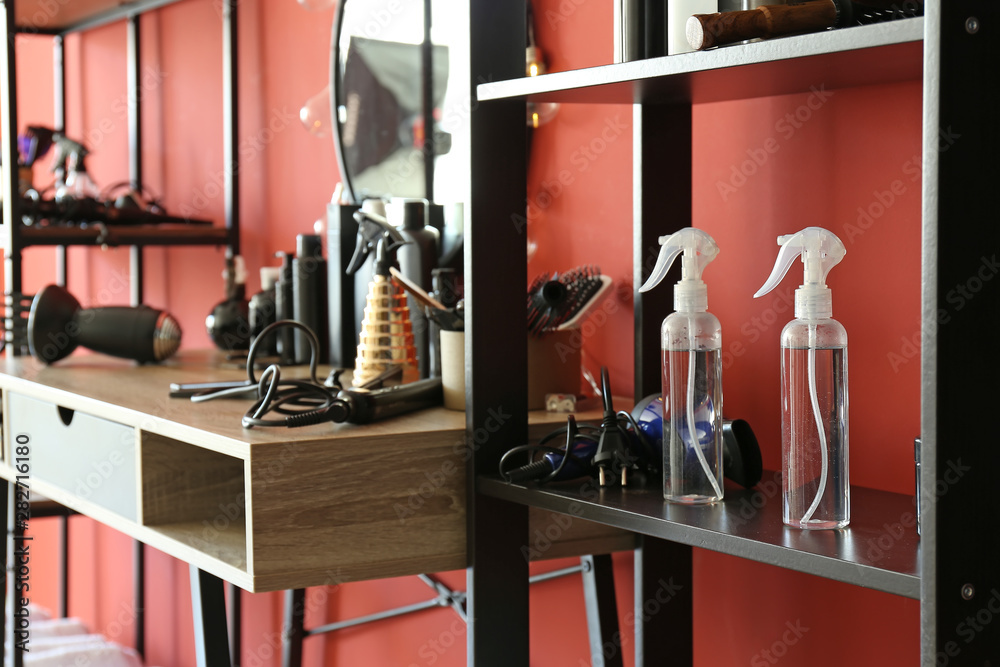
x=707, y=30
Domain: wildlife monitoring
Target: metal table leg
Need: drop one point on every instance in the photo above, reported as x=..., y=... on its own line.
x=235, y=623
x=663, y=604
x=293, y=628
x=602, y=611
x=208, y=605
x=139, y=593
x=64, y=566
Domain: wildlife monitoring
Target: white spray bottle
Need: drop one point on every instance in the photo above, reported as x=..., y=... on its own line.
x=691, y=340
x=814, y=407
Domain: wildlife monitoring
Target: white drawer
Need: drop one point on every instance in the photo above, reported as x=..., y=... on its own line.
x=89, y=457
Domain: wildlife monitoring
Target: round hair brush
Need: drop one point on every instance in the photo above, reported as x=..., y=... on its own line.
x=558, y=301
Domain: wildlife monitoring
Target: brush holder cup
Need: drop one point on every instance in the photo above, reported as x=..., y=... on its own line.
x=553, y=365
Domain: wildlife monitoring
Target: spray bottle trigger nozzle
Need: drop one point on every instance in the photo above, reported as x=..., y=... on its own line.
x=698, y=247
x=663, y=263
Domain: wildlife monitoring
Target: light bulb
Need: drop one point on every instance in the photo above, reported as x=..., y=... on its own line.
x=317, y=5
x=540, y=113
x=534, y=64
x=316, y=114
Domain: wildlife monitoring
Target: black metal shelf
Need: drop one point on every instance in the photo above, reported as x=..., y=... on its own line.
x=866, y=55
x=125, y=235
x=58, y=19
x=880, y=549
x=49, y=18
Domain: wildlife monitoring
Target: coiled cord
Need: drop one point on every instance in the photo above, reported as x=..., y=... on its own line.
x=302, y=402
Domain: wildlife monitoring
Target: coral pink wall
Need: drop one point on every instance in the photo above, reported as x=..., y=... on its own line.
x=847, y=154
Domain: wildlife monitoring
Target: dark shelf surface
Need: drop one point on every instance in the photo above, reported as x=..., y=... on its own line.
x=865, y=55
x=878, y=550
x=53, y=18
x=125, y=235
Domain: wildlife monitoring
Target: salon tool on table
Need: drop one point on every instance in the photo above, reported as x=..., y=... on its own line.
x=306, y=402
x=449, y=319
x=610, y=449
x=77, y=199
x=417, y=259
x=34, y=144
x=559, y=301
x=741, y=458
x=309, y=301
x=690, y=340
x=741, y=454
x=814, y=414
x=263, y=310
x=57, y=325
x=386, y=336
x=228, y=324
x=707, y=30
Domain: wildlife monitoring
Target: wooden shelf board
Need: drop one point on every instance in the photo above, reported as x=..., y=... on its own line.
x=866, y=55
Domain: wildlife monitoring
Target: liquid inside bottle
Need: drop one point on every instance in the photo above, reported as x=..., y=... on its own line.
x=692, y=452
x=814, y=437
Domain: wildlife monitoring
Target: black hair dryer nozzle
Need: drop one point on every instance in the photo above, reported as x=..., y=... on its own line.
x=57, y=324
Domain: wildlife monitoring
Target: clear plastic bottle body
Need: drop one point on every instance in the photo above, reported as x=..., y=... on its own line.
x=692, y=393
x=816, y=487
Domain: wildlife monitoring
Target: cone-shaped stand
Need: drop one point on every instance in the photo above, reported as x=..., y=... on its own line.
x=386, y=337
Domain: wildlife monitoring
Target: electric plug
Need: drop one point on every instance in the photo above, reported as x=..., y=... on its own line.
x=613, y=454
x=613, y=445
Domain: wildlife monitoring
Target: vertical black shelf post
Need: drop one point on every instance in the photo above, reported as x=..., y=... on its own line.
x=9, y=176
x=960, y=585
x=59, y=122
x=231, y=121
x=134, y=94
x=659, y=131
x=496, y=339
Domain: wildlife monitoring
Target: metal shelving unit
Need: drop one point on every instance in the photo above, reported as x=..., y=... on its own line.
x=58, y=20
x=951, y=568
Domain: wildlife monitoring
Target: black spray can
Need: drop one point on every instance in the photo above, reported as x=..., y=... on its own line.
x=417, y=259
x=309, y=296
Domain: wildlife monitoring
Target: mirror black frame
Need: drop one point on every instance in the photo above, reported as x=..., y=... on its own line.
x=426, y=103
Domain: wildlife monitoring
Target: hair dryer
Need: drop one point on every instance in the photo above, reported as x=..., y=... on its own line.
x=57, y=324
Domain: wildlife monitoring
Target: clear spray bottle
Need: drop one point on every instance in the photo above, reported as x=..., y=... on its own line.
x=691, y=340
x=814, y=407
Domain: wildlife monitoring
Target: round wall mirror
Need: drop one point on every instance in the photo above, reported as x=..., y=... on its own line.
x=390, y=74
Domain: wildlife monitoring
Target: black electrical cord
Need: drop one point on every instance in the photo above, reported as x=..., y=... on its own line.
x=575, y=435
x=302, y=402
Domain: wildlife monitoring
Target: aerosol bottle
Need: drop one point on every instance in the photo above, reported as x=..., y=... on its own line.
x=691, y=340
x=814, y=406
